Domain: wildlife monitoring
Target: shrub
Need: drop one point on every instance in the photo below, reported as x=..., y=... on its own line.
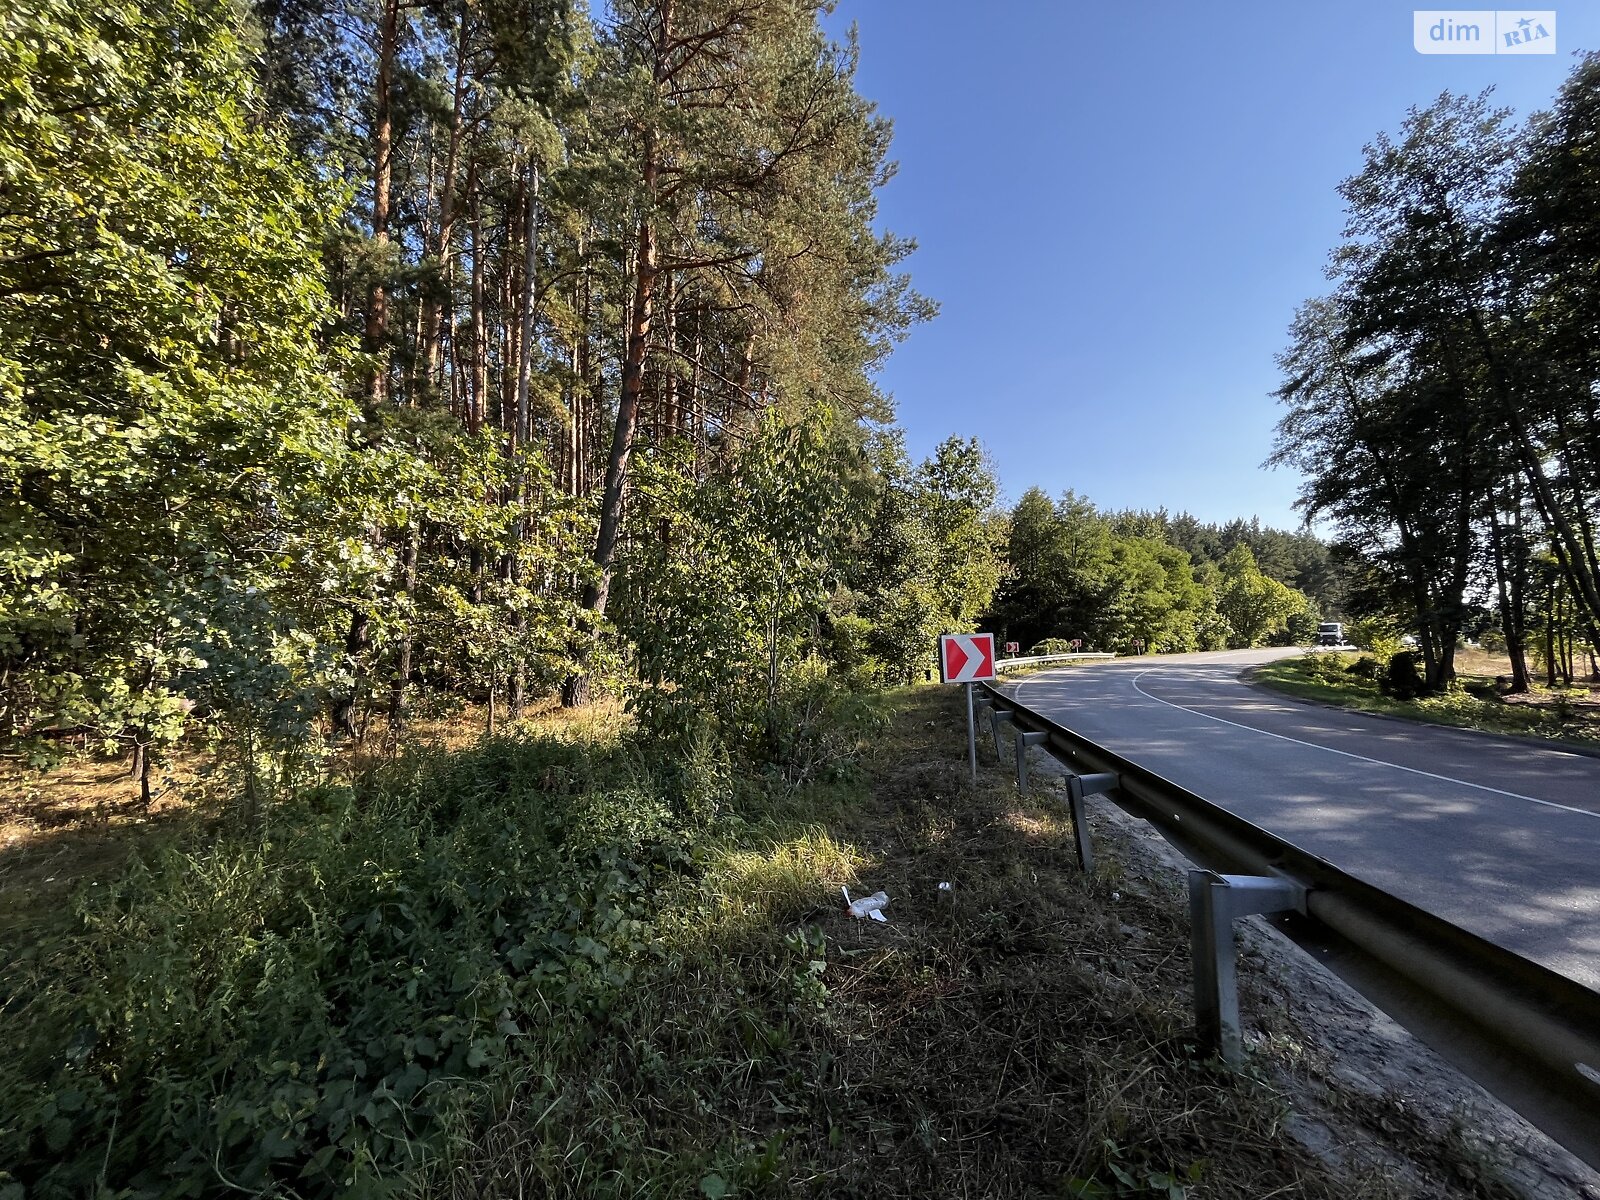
x=1403, y=679
x=815, y=730
x=849, y=653
x=1376, y=635
x=1325, y=668
x=1300, y=629
x=1463, y=706
x=1365, y=667
x=301, y=1006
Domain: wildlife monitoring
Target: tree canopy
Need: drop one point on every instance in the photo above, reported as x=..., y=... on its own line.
x=354, y=356
x=183, y=510
x=1441, y=399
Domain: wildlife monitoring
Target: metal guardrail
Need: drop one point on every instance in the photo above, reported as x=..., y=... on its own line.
x=1527, y=1034
x=1005, y=664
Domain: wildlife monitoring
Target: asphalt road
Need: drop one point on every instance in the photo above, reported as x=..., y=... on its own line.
x=1497, y=835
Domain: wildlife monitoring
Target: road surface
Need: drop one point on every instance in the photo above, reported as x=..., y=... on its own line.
x=1497, y=835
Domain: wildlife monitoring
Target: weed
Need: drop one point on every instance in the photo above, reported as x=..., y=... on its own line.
x=296, y=1003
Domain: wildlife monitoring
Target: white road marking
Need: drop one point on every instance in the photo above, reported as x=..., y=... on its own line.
x=1378, y=762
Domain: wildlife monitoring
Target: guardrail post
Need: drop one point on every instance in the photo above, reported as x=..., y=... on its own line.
x=983, y=708
x=997, y=718
x=1079, y=786
x=1024, y=740
x=1214, y=901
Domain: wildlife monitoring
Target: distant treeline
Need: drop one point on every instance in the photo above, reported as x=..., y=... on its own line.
x=1132, y=581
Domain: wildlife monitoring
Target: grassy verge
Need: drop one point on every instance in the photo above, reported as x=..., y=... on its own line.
x=557, y=966
x=1558, y=716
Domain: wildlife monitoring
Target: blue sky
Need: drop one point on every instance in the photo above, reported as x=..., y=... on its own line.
x=1118, y=208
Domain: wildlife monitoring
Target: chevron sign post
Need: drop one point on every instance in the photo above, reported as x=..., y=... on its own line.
x=967, y=658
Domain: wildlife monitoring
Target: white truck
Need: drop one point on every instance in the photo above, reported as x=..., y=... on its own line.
x=1330, y=633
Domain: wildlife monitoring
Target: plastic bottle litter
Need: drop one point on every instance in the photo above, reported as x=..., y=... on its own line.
x=868, y=906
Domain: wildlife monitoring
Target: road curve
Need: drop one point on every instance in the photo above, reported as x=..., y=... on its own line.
x=1498, y=835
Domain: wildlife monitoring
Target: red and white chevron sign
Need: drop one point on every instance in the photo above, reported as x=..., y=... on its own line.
x=966, y=657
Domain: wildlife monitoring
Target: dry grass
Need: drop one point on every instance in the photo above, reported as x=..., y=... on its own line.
x=87, y=793
x=92, y=793
x=1026, y=1033
x=78, y=824
x=1474, y=660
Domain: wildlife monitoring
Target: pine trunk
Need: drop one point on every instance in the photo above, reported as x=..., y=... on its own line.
x=575, y=690
x=382, y=174
x=633, y=369
x=435, y=304
x=1511, y=617
x=477, y=405
x=530, y=259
